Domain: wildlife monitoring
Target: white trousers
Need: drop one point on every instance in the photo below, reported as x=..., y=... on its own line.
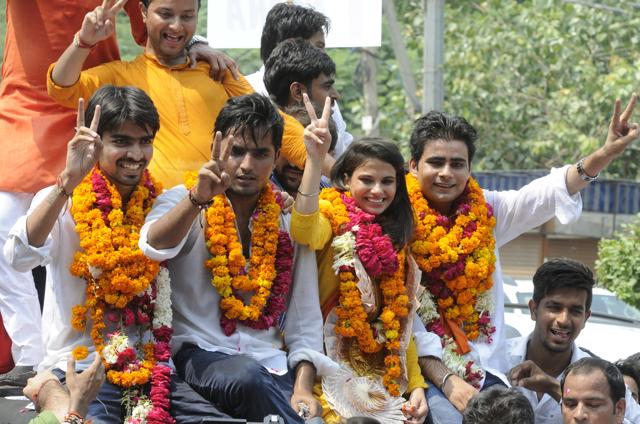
x=19, y=304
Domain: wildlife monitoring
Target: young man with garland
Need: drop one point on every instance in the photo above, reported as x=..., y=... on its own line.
x=561, y=305
x=459, y=228
x=187, y=99
x=103, y=295
x=241, y=288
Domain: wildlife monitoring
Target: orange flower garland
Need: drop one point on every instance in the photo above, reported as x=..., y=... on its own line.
x=462, y=257
x=228, y=263
x=111, y=263
x=352, y=318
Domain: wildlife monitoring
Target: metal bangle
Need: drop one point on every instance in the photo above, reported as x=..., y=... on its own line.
x=445, y=378
x=308, y=194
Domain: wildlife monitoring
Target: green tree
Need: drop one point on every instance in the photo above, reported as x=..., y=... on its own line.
x=618, y=264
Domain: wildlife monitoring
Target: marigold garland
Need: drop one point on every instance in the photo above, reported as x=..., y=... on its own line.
x=122, y=283
x=270, y=265
x=380, y=261
x=457, y=257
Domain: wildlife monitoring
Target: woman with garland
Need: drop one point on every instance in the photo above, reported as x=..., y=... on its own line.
x=367, y=281
x=103, y=296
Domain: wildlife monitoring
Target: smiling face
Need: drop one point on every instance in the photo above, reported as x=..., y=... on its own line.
x=586, y=399
x=170, y=25
x=559, y=317
x=250, y=164
x=125, y=155
x=442, y=172
x=373, y=185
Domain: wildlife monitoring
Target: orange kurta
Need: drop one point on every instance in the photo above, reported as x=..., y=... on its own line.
x=35, y=129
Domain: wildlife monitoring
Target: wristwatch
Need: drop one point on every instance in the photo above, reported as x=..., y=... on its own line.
x=197, y=39
x=585, y=177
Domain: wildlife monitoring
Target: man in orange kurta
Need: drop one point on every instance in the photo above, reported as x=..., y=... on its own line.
x=34, y=131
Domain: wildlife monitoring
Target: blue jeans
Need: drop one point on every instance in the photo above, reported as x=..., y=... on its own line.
x=186, y=405
x=237, y=384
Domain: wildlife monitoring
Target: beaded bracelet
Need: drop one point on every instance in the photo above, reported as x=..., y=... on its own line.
x=78, y=43
x=60, y=187
x=199, y=205
x=73, y=418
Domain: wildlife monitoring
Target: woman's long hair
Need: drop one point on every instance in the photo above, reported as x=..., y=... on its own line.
x=397, y=219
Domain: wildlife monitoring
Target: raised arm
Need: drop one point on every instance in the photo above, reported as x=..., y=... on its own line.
x=168, y=231
x=621, y=134
x=82, y=154
x=97, y=25
x=317, y=141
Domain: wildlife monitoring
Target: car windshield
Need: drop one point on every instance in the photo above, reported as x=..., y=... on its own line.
x=601, y=304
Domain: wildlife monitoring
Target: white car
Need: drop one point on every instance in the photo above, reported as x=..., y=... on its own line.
x=612, y=332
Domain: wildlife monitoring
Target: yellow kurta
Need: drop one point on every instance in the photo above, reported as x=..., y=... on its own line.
x=188, y=102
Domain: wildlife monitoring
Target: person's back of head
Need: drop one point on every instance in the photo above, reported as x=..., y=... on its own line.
x=498, y=406
x=295, y=61
x=286, y=20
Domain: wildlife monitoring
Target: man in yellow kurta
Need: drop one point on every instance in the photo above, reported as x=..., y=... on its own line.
x=187, y=99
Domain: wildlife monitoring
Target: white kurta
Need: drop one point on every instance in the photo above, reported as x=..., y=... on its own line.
x=344, y=137
x=547, y=410
x=196, y=312
x=516, y=212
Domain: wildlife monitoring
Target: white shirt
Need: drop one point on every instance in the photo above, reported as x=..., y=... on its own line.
x=62, y=291
x=344, y=138
x=547, y=410
x=516, y=212
x=196, y=312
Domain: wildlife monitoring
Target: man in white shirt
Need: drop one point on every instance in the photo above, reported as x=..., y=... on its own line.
x=284, y=21
x=230, y=338
x=562, y=294
x=473, y=224
x=106, y=172
x=593, y=392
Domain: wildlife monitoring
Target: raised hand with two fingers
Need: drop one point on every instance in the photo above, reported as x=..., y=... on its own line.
x=317, y=138
x=100, y=23
x=83, y=150
x=212, y=177
x=621, y=133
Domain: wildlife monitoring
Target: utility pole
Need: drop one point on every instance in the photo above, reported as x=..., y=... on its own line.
x=368, y=73
x=433, y=90
x=400, y=51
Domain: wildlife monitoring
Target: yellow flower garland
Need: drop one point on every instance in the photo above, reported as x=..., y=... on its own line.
x=434, y=246
x=227, y=263
x=112, y=264
x=352, y=318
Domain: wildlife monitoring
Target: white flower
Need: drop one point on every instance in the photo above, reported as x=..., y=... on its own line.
x=484, y=303
x=162, y=311
x=344, y=250
x=427, y=309
x=140, y=411
x=95, y=271
x=117, y=343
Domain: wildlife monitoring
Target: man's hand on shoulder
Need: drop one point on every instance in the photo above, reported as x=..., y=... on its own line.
x=530, y=376
x=220, y=63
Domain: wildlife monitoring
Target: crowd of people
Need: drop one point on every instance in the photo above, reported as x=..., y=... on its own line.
x=219, y=247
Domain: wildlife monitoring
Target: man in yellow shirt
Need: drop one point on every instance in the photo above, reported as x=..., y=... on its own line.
x=187, y=99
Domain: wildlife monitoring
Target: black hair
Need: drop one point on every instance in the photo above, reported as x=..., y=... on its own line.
x=630, y=367
x=290, y=21
x=498, y=406
x=252, y=114
x=300, y=113
x=119, y=105
x=397, y=219
x=294, y=60
x=146, y=3
x=441, y=126
x=560, y=273
x=587, y=365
